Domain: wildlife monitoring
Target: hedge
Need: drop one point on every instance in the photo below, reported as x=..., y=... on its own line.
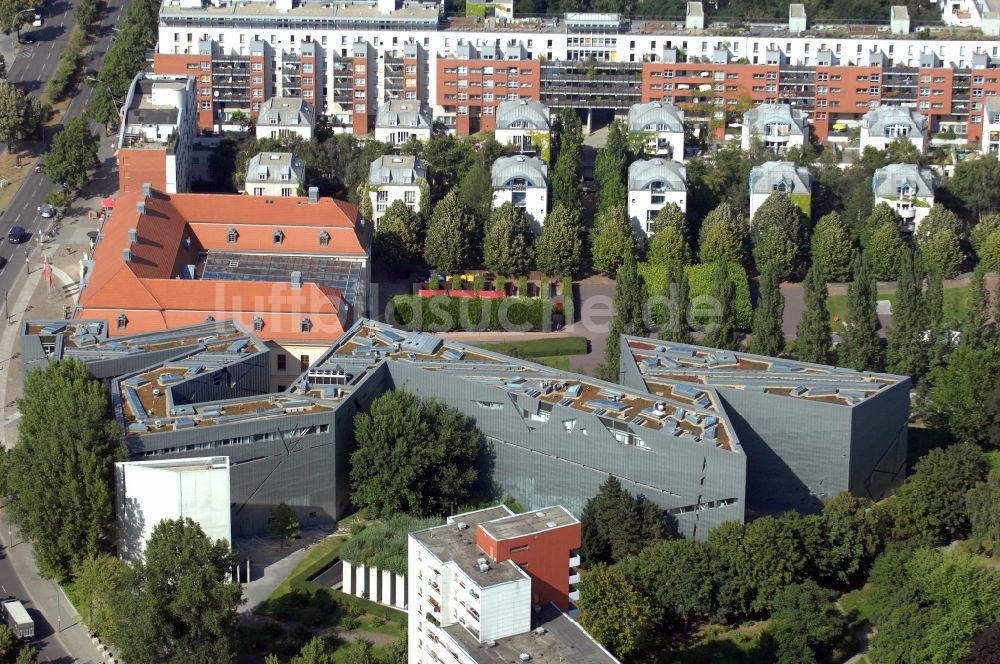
x=442, y=313
x=569, y=304
x=700, y=281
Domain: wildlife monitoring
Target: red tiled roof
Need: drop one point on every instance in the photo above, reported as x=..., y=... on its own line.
x=175, y=228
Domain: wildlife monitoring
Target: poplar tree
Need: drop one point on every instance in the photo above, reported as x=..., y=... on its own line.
x=722, y=332
x=861, y=347
x=905, y=354
x=630, y=296
x=813, y=336
x=677, y=303
x=978, y=329
x=768, y=338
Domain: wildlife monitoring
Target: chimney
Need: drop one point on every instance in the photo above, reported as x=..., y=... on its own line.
x=296, y=280
x=133, y=235
x=127, y=255
x=141, y=208
x=314, y=194
x=147, y=189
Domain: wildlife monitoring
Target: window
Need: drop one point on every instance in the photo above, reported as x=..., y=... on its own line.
x=278, y=236
x=258, y=324
x=281, y=361
x=257, y=66
x=122, y=321
x=304, y=359
x=324, y=239
x=232, y=236
x=307, y=68
x=306, y=327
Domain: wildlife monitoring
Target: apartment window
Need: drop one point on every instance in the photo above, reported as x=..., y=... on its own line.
x=359, y=108
x=286, y=191
x=304, y=359
x=232, y=236
x=278, y=236
x=359, y=69
x=307, y=67
x=206, y=105
x=206, y=92
x=257, y=66
x=258, y=324
x=205, y=65
x=258, y=80
x=258, y=191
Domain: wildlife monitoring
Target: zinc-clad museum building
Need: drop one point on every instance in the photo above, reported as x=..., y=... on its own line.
x=708, y=435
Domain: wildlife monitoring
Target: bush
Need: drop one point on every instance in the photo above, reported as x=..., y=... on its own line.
x=545, y=288
x=478, y=283
x=569, y=304
x=442, y=313
x=456, y=282
x=434, y=282
x=700, y=280
x=522, y=286
x=57, y=199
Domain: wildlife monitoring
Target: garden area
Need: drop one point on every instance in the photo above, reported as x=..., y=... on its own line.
x=555, y=352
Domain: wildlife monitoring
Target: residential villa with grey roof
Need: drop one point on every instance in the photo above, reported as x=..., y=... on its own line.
x=275, y=174
x=884, y=124
x=777, y=126
x=908, y=189
x=663, y=127
x=783, y=177
x=524, y=182
x=284, y=116
x=394, y=178
x=398, y=121
x=652, y=184
x=521, y=123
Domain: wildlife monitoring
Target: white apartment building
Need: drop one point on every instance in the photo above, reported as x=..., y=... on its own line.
x=521, y=122
x=394, y=178
x=275, y=174
x=907, y=189
x=524, y=182
x=777, y=126
x=148, y=492
x=663, y=127
x=399, y=121
x=782, y=177
x=881, y=126
x=991, y=126
x=281, y=116
x=652, y=183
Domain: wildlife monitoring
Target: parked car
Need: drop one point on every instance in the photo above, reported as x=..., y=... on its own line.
x=27, y=40
x=47, y=211
x=15, y=235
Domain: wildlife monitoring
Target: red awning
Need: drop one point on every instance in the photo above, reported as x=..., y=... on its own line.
x=108, y=203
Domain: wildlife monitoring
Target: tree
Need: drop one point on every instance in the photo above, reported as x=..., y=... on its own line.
x=903, y=151
x=978, y=328
x=507, y=250
x=96, y=580
x=884, y=243
x=853, y=535
x=9, y=18
x=778, y=212
x=398, y=237
x=629, y=316
x=768, y=337
x=935, y=342
x=475, y=192
x=178, y=605
x=612, y=240
x=941, y=252
x=813, y=335
x=861, y=347
x=723, y=235
x=959, y=393
x=73, y=154
x=676, y=325
x=451, y=235
x=559, y=247
x=982, y=230
x=62, y=469
x=678, y=575
x=833, y=247
x=609, y=168
x=669, y=241
x=983, y=505
x=989, y=252
x=933, y=498
x=614, y=613
x=976, y=182
x=284, y=522
x=986, y=649
x=412, y=456
x=723, y=332
x=566, y=174
x=20, y=114
x=906, y=353
x=805, y=623
x=615, y=525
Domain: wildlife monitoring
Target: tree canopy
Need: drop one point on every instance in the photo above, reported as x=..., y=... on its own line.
x=559, y=247
x=779, y=235
x=508, y=246
x=452, y=236
x=612, y=240
x=73, y=154
x=768, y=337
x=833, y=247
x=615, y=524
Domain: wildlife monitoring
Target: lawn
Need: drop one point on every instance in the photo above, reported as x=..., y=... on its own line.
x=956, y=303
x=856, y=605
x=537, y=349
x=718, y=643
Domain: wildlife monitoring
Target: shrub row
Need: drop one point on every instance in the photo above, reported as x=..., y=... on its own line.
x=63, y=79
x=569, y=303
x=701, y=278
x=442, y=313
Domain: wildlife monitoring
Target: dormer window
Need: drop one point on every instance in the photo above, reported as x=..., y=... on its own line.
x=783, y=186
x=258, y=324
x=278, y=236
x=210, y=318
x=274, y=120
x=232, y=236
x=122, y=321
x=324, y=239
x=306, y=326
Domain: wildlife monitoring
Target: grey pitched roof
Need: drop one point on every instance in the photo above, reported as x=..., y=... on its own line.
x=877, y=119
x=534, y=114
x=764, y=179
x=398, y=113
x=758, y=118
x=644, y=173
x=531, y=169
x=275, y=168
x=289, y=111
x=396, y=169
x=649, y=117
x=887, y=180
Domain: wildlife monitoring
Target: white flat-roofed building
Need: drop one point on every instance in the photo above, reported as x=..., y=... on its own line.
x=783, y=177
x=663, y=127
x=652, y=183
x=394, y=178
x=524, y=182
x=399, y=121
x=777, y=126
x=282, y=116
x=520, y=121
x=991, y=125
x=884, y=124
x=148, y=492
x=907, y=189
x=275, y=174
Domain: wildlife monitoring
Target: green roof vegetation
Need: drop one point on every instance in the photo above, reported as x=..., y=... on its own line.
x=383, y=545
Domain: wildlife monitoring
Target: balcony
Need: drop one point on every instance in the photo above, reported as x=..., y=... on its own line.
x=574, y=560
x=574, y=594
x=574, y=576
